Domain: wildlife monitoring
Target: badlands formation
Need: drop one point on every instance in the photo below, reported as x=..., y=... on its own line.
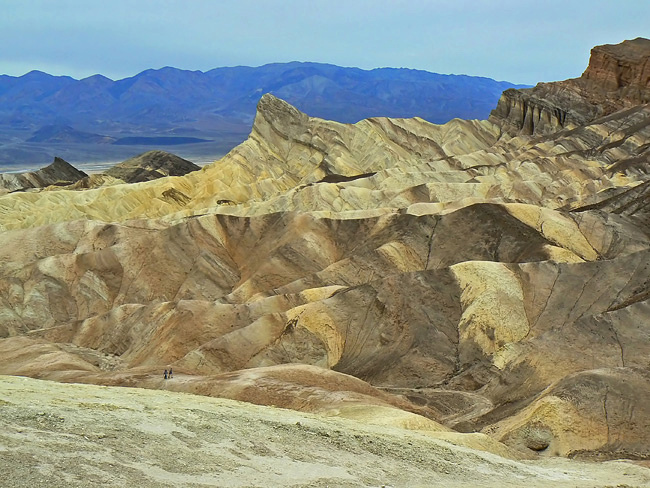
x=485, y=277
x=143, y=167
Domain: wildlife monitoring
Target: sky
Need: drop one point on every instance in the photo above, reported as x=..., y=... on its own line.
x=518, y=41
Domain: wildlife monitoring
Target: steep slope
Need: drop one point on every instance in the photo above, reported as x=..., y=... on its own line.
x=285, y=163
x=466, y=276
x=395, y=300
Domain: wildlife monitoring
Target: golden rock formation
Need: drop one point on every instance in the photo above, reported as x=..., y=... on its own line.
x=468, y=275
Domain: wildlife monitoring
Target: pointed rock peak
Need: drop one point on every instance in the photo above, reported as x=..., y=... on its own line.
x=280, y=115
x=60, y=162
x=36, y=74
x=97, y=78
x=60, y=170
x=275, y=106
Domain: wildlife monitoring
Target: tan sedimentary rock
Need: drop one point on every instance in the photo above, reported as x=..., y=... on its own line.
x=388, y=164
x=598, y=410
x=478, y=277
x=622, y=66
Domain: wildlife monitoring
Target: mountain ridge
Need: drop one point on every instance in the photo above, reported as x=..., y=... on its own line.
x=156, y=79
x=219, y=104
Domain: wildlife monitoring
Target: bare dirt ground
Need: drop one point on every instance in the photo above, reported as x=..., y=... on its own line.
x=62, y=435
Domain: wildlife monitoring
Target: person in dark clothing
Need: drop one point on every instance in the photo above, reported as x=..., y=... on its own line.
x=165, y=374
x=170, y=373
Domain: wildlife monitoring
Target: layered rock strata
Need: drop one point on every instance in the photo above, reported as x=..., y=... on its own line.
x=150, y=166
x=618, y=76
x=465, y=275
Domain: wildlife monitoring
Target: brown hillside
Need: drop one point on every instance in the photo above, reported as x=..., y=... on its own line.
x=481, y=276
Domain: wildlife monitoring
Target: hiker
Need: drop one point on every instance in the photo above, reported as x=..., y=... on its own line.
x=165, y=374
x=170, y=373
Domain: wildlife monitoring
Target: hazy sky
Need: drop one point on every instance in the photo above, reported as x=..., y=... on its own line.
x=518, y=41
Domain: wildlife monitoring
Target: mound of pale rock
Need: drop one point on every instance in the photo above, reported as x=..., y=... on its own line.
x=605, y=411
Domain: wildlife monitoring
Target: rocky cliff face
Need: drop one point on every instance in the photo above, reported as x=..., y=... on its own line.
x=618, y=76
x=542, y=110
x=487, y=282
x=624, y=68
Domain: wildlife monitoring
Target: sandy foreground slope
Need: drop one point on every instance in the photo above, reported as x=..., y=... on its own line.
x=68, y=435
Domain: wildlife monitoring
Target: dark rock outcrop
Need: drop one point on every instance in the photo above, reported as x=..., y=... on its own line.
x=58, y=173
x=150, y=166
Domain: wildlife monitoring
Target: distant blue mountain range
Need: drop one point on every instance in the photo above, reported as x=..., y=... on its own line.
x=219, y=105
